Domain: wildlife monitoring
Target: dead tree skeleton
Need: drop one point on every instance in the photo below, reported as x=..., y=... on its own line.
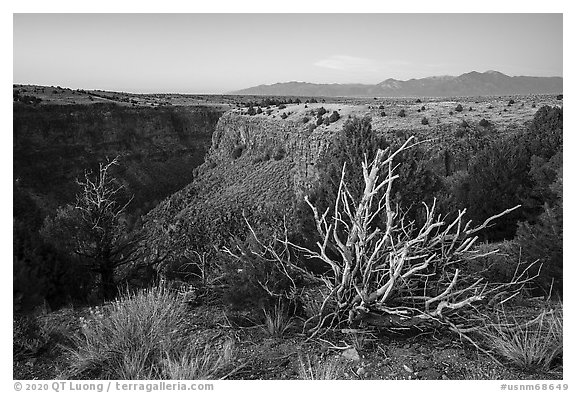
x=386, y=273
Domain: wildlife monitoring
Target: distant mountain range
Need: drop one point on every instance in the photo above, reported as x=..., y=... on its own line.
x=469, y=84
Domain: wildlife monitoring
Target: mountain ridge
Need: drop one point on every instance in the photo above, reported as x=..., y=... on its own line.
x=468, y=84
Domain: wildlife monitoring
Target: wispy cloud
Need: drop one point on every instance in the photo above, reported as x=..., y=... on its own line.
x=349, y=63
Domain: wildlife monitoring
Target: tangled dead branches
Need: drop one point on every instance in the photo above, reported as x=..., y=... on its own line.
x=382, y=271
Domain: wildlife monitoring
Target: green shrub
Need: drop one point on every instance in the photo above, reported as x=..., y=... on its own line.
x=252, y=282
x=542, y=242
x=334, y=117
x=280, y=154
x=484, y=123
x=237, y=151
x=321, y=112
x=459, y=108
x=496, y=262
x=402, y=113
x=425, y=121
x=416, y=183
x=519, y=169
x=305, y=119
x=261, y=158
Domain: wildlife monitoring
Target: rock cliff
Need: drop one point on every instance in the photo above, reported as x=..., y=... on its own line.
x=158, y=147
x=256, y=165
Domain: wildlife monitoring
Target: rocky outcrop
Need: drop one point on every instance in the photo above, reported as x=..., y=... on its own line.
x=257, y=167
x=269, y=138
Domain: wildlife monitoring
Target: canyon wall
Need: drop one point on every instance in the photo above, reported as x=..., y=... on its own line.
x=158, y=148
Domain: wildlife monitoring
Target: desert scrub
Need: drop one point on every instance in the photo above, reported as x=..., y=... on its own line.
x=237, y=151
x=531, y=346
x=28, y=336
x=317, y=369
x=200, y=363
x=131, y=337
x=277, y=321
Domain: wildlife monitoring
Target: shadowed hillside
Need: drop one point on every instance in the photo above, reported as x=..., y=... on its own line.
x=158, y=148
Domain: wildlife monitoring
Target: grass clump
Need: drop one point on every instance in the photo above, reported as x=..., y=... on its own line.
x=198, y=363
x=317, y=369
x=532, y=346
x=277, y=321
x=139, y=336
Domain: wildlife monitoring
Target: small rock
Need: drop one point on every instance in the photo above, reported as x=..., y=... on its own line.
x=361, y=371
x=408, y=369
x=444, y=377
x=351, y=354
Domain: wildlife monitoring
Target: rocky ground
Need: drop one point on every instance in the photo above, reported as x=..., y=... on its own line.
x=351, y=354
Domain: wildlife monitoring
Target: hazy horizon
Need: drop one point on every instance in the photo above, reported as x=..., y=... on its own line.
x=220, y=53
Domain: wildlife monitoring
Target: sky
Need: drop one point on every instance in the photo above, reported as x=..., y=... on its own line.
x=219, y=53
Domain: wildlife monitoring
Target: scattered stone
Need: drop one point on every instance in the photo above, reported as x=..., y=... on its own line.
x=361, y=371
x=408, y=369
x=444, y=377
x=351, y=354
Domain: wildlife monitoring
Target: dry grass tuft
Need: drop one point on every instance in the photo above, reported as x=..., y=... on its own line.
x=534, y=346
x=205, y=363
x=142, y=336
x=317, y=369
x=277, y=321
